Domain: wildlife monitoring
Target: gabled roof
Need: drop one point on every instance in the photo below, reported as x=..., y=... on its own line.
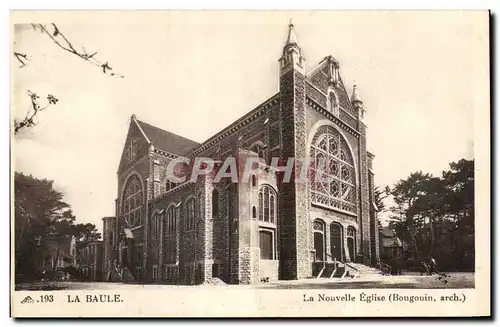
x=167, y=141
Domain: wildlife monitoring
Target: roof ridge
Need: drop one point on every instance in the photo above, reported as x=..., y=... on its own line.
x=166, y=140
x=144, y=122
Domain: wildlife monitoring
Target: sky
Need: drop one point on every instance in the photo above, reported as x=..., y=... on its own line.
x=419, y=75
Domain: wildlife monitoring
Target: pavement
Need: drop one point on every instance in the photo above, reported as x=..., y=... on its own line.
x=454, y=280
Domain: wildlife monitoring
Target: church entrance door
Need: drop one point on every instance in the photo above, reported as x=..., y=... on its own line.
x=336, y=241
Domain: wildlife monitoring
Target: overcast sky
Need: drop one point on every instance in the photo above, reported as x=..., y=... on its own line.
x=194, y=73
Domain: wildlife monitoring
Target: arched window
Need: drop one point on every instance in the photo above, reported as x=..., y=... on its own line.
x=259, y=150
x=132, y=201
x=170, y=185
x=319, y=240
x=333, y=102
x=268, y=221
x=170, y=223
x=215, y=203
x=189, y=214
x=336, y=241
x=254, y=212
x=155, y=226
x=332, y=171
x=254, y=181
x=267, y=205
x=351, y=242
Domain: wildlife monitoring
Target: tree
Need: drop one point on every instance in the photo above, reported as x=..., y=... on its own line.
x=434, y=213
x=379, y=197
x=406, y=193
x=85, y=233
x=41, y=214
x=39, y=210
x=61, y=41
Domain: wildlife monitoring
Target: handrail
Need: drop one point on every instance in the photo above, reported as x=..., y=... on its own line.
x=335, y=269
x=355, y=269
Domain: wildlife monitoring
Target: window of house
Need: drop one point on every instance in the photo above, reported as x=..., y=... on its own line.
x=132, y=201
x=254, y=212
x=333, y=176
x=189, y=214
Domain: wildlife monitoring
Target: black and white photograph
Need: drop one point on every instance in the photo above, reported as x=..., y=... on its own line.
x=332, y=155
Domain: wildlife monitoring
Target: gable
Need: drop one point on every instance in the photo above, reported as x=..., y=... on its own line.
x=320, y=80
x=136, y=146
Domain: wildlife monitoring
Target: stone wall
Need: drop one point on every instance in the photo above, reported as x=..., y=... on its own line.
x=293, y=204
x=365, y=204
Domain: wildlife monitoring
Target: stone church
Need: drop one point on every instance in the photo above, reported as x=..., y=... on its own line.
x=257, y=230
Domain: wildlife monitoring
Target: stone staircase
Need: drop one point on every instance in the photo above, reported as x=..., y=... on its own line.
x=341, y=269
x=363, y=270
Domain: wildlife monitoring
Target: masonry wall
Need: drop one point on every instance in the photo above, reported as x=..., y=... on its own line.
x=141, y=166
x=354, y=131
x=364, y=198
x=109, y=232
x=294, y=232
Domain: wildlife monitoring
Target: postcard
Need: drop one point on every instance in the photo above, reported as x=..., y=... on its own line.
x=250, y=164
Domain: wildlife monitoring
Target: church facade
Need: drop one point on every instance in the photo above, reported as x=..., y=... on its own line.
x=257, y=229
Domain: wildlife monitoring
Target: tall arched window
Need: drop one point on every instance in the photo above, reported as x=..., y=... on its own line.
x=332, y=171
x=267, y=221
x=319, y=240
x=132, y=201
x=170, y=223
x=259, y=150
x=267, y=205
x=333, y=104
x=337, y=241
x=189, y=214
x=169, y=245
x=215, y=203
x=155, y=226
x=351, y=242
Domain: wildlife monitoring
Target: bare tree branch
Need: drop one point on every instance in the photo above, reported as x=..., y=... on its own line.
x=29, y=119
x=22, y=58
x=59, y=39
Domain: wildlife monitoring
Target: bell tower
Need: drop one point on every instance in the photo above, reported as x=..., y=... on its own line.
x=292, y=54
x=293, y=229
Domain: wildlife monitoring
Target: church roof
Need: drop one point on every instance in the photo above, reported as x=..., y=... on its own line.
x=167, y=141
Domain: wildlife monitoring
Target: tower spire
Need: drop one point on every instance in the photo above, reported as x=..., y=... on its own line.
x=355, y=96
x=292, y=38
x=292, y=54
x=357, y=103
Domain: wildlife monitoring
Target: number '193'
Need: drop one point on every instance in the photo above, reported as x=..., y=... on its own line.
x=46, y=298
